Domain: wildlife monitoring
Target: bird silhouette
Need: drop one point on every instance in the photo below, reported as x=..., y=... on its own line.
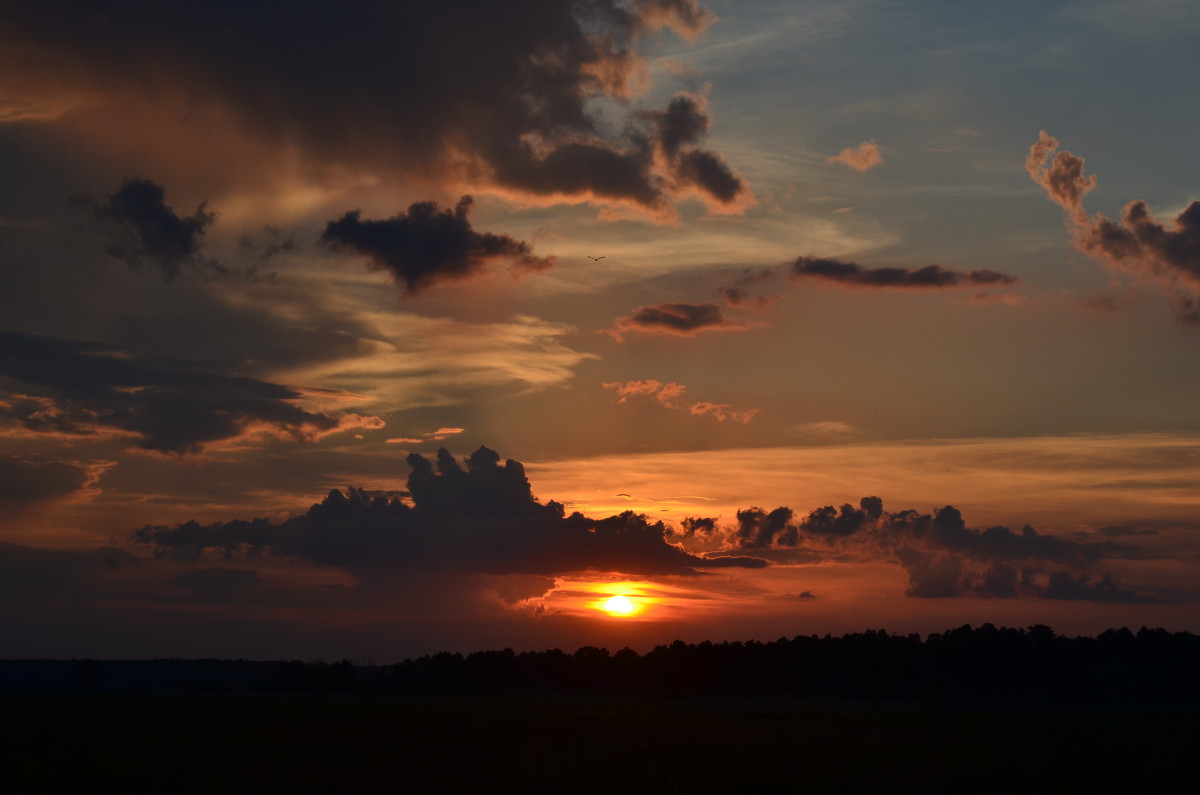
x=596, y=259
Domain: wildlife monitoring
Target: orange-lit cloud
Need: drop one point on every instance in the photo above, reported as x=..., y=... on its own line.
x=1145, y=478
x=1060, y=174
x=860, y=158
x=670, y=395
x=667, y=394
x=723, y=411
x=429, y=436
x=687, y=17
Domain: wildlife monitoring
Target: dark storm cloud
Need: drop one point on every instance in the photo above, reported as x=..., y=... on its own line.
x=708, y=173
x=150, y=232
x=674, y=317
x=757, y=529
x=945, y=530
x=852, y=274
x=29, y=480
x=76, y=388
x=479, y=519
x=942, y=556
x=682, y=123
x=829, y=521
x=1138, y=243
x=1141, y=244
x=426, y=245
x=495, y=92
x=702, y=525
x=676, y=130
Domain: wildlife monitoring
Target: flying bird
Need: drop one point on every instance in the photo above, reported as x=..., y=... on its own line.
x=597, y=259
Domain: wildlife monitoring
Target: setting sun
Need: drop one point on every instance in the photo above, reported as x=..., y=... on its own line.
x=619, y=606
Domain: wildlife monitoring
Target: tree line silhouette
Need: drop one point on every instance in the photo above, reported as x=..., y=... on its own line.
x=965, y=664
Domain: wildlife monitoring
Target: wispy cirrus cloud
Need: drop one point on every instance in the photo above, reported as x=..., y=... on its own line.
x=429, y=436
x=410, y=361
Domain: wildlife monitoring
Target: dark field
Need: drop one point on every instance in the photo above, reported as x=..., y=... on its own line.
x=211, y=743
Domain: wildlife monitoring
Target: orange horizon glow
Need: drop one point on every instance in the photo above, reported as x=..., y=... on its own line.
x=606, y=598
x=620, y=605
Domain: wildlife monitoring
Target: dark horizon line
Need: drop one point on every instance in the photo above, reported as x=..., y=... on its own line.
x=1041, y=630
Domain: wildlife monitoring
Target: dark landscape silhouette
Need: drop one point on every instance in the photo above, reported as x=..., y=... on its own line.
x=984, y=709
x=972, y=664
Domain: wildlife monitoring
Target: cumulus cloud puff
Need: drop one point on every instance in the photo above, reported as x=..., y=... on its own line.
x=1137, y=244
x=426, y=246
x=941, y=555
x=860, y=158
x=148, y=231
x=481, y=519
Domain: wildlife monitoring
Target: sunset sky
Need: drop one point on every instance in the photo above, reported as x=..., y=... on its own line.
x=775, y=318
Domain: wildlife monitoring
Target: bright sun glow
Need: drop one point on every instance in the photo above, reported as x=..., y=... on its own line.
x=619, y=606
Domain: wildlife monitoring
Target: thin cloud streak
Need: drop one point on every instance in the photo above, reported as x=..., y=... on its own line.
x=851, y=274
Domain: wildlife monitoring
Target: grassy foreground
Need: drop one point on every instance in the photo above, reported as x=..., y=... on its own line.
x=234, y=743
